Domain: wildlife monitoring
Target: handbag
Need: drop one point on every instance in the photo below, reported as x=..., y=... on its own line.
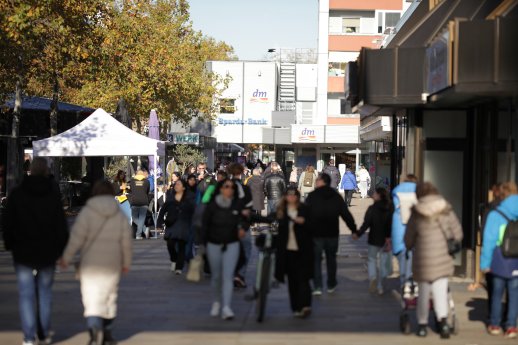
x=195, y=269
x=77, y=264
x=453, y=245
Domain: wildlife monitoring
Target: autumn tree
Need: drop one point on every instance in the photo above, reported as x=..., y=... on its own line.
x=153, y=58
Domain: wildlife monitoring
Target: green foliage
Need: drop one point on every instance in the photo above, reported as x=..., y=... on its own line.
x=187, y=155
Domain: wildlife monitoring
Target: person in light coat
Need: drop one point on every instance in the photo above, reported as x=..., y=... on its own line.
x=364, y=180
x=102, y=235
x=306, y=186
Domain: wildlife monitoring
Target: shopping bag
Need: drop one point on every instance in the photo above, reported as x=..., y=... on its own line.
x=195, y=269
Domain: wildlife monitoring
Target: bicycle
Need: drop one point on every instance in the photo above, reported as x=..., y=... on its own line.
x=265, y=242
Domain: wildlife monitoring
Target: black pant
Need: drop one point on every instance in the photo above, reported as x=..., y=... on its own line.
x=348, y=196
x=177, y=254
x=298, y=284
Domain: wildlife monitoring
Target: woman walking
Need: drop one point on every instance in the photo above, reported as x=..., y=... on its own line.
x=294, y=257
x=499, y=267
x=221, y=231
x=431, y=223
x=102, y=235
x=378, y=219
x=176, y=214
x=307, y=181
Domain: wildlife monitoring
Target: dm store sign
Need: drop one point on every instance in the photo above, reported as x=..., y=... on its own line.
x=303, y=134
x=259, y=97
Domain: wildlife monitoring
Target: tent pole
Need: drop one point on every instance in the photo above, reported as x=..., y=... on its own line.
x=155, y=216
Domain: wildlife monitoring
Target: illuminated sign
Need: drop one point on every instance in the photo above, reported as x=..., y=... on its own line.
x=184, y=138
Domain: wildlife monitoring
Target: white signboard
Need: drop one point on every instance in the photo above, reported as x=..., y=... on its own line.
x=307, y=134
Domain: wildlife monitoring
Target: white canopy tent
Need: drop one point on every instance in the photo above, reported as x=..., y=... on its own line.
x=100, y=135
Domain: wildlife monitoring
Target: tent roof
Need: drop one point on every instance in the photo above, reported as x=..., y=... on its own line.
x=98, y=135
x=44, y=104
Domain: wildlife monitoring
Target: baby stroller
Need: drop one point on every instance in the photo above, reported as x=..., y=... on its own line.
x=409, y=295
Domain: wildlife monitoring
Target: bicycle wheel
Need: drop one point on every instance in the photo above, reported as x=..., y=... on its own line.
x=263, y=289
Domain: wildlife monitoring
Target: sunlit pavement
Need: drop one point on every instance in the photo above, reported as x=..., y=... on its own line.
x=157, y=307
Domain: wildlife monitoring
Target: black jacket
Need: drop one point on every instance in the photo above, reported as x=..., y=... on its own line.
x=379, y=219
x=34, y=224
x=177, y=216
x=304, y=243
x=274, y=186
x=334, y=173
x=139, y=191
x=326, y=205
x=244, y=194
x=221, y=225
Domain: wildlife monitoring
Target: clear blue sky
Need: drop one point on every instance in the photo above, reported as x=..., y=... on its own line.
x=254, y=26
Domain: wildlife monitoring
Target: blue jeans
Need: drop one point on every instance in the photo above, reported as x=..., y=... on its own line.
x=272, y=205
x=405, y=266
x=138, y=213
x=34, y=287
x=329, y=246
x=499, y=286
x=246, y=242
x=374, y=265
x=222, y=267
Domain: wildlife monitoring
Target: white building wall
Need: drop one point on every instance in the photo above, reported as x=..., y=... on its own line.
x=323, y=52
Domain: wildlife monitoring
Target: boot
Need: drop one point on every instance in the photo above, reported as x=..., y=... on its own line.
x=94, y=336
x=108, y=339
x=444, y=329
x=422, y=331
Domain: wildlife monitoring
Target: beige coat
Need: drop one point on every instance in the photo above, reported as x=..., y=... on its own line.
x=106, y=253
x=306, y=190
x=431, y=260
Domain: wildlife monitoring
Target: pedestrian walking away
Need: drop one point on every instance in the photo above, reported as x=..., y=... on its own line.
x=35, y=231
x=502, y=266
x=403, y=198
x=349, y=185
x=139, y=200
x=274, y=186
x=176, y=214
x=432, y=224
x=364, y=180
x=378, y=220
x=307, y=181
x=223, y=226
x=102, y=236
x=294, y=256
x=326, y=205
x=333, y=173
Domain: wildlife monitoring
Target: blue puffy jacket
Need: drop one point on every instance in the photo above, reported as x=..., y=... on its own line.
x=492, y=232
x=348, y=181
x=398, y=228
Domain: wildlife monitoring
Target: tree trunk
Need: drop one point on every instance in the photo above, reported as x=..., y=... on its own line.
x=14, y=149
x=56, y=162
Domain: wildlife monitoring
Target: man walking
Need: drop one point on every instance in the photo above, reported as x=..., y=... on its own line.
x=35, y=231
x=274, y=186
x=325, y=206
x=333, y=173
x=139, y=201
x=348, y=185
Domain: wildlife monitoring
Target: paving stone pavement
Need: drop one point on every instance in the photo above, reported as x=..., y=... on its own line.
x=156, y=307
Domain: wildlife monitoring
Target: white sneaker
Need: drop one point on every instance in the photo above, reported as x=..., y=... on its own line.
x=227, y=313
x=214, y=311
x=173, y=266
x=178, y=272
x=380, y=291
x=29, y=343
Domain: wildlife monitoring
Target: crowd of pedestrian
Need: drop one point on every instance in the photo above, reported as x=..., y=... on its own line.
x=213, y=215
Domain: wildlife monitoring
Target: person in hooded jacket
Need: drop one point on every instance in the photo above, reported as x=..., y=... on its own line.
x=35, y=231
x=102, y=236
x=222, y=229
x=348, y=185
x=503, y=270
x=326, y=205
x=294, y=255
x=333, y=172
x=432, y=222
x=176, y=214
x=139, y=200
x=378, y=220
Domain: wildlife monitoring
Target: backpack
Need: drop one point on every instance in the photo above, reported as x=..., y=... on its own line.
x=308, y=180
x=508, y=241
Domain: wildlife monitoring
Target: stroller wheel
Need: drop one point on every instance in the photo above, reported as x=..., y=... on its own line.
x=404, y=324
